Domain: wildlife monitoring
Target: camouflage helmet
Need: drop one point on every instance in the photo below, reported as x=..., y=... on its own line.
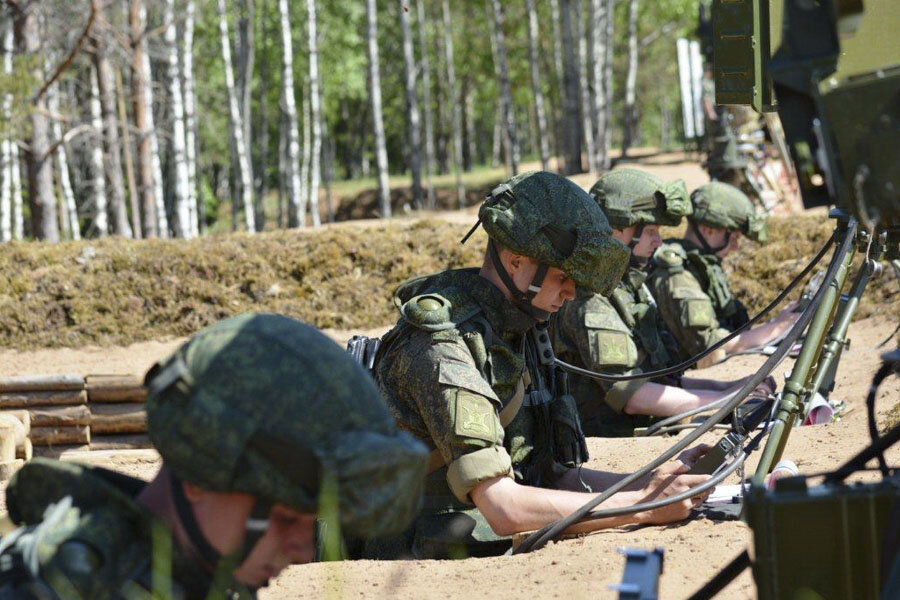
x=550, y=219
x=632, y=197
x=266, y=405
x=724, y=206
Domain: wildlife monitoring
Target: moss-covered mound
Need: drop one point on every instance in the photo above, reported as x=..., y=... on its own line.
x=118, y=291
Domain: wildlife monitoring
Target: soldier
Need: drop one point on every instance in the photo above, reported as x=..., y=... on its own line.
x=464, y=370
x=257, y=420
x=689, y=283
x=624, y=333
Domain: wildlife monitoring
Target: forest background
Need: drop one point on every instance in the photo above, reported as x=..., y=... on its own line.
x=169, y=118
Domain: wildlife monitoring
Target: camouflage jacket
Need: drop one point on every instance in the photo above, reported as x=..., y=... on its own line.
x=692, y=293
x=82, y=534
x=454, y=371
x=621, y=334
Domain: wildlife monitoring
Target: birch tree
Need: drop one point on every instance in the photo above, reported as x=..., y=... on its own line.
x=454, y=104
x=558, y=116
x=15, y=179
x=630, y=78
x=425, y=65
x=235, y=125
x=509, y=117
x=295, y=200
x=112, y=147
x=571, y=119
x=306, y=159
x=608, y=79
x=384, y=195
x=149, y=174
x=412, y=106
x=315, y=98
x=184, y=225
x=584, y=89
x=97, y=198
x=6, y=144
x=534, y=60
x=190, y=117
x=68, y=209
x=599, y=41
x=133, y=194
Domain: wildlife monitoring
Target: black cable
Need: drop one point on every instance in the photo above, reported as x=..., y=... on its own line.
x=684, y=365
x=883, y=372
x=539, y=538
x=728, y=574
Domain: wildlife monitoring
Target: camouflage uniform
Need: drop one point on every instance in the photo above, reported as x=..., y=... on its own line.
x=462, y=361
x=260, y=404
x=688, y=281
x=622, y=333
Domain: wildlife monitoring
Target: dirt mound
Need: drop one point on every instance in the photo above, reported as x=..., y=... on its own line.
x=116, y=291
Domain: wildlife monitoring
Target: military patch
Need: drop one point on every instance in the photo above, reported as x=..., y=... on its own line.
x=475, y=417
x=699, y=313
x=613, y=348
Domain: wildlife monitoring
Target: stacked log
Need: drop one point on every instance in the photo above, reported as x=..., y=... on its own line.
x=118, y=417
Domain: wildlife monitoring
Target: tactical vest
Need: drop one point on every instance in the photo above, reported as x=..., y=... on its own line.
x=543, y=435
x=707, y=268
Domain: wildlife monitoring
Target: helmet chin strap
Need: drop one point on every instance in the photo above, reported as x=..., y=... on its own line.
x=704, y=244
x=520, y=298
x=255, y=528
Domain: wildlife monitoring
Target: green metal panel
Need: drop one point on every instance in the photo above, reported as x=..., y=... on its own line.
x=741, y=51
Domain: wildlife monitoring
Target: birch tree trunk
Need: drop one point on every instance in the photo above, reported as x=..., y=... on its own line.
x=454, y=104
x=15, y=178
x=97, y=194
x=245, y=50
x=306, y=160
x=558, y=116
x=190, y=117
x=608, y=79
x=62, y=164
x=236, y=126
x=598, y=26
x=112, y=147
x=412, y=106
x=260, y=170
x=509, y=117
x=159, y=196
x=572, y=128
x=381, y=161
x=315, y=99
x=141, y=105
x=587, y=122
x=133, y=194
x=425, y=66
x=45, y=224
x=184, y=226
x=534, y=60
x=6, y=144
x=630, y=78
x=289, y=119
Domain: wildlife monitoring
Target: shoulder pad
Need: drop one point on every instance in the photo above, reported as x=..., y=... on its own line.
x=670, y=257
x=438, y=312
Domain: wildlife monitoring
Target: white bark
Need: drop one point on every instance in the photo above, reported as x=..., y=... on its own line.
x=608, y=77
x=412, y=106
x=315, y=97
x=6, y=144
x=425, y=65
x=584, y=89
x=235, y=124
x=97, y=185
x=534, y=59
x=381, y=161
x=598, y=27
x=509, y=117
x=455, y=105
x=15, y=178
x=631, y=77
x=289, y=118
x=184, y=227
x=69, y=211
x=304, y=165
x=143, y=117
x=162, y=221
x=190, y=117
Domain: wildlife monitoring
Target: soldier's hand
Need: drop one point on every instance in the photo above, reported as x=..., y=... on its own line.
x=666, y=483
x=690, y=456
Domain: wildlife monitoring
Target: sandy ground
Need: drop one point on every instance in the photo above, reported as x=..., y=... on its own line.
x=575, y=568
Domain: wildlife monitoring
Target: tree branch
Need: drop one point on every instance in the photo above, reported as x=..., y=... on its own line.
x=66, y=138
x=658, y=33
x=95, y=8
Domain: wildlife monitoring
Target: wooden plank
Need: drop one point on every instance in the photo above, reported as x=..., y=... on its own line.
x=21, y=415
x=97, y=456
x=116, y=442
x=57, y=451
x=54, y=436
x=20, y=432
x=54, y=398
x=41, y=383
x=8, y=440
x=60, y=416
x=118, y=418
x=115, y=388
x=8, y=468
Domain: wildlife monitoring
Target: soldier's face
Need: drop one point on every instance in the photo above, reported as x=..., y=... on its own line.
x=556, y=289
x=648, y=242
x=289, y=540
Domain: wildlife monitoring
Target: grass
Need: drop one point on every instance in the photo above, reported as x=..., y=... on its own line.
x=116, y=291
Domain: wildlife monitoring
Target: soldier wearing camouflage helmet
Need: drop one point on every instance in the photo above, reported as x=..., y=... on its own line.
x=463, y=372
x=689, y=283
x=623, y=332
x=259, y=421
